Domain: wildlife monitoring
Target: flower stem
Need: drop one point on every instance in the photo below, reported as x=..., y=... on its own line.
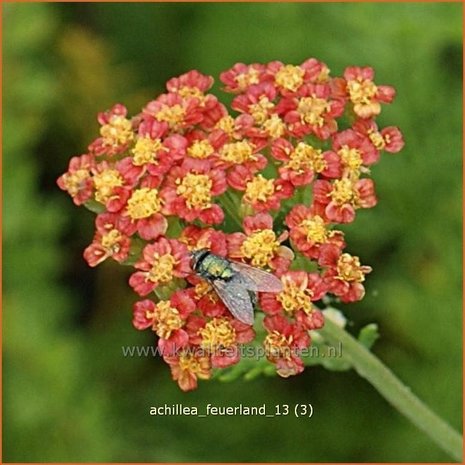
x=394, y=391
x=232, y=208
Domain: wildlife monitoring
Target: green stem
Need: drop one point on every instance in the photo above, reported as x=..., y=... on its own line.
x=394, y=391
x=231, y=207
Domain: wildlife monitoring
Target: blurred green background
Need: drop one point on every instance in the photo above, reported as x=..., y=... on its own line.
x=69, y=394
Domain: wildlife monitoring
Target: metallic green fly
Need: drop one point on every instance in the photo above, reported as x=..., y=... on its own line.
x=235, y=283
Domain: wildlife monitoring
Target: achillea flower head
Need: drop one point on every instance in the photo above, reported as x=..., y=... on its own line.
x=264, y=185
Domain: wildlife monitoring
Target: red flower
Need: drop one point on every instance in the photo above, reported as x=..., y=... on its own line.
x=364, y=94
x=338, y=201
x=116, y=132
x=187, y=367
x=212, y=111
x=240, y=77
x=231, y=128
x=177, y=112
x=215, y=118
x=257, y=102
x=393, y=139
x=315, y=71
x=204, y=238
x=220, y=337
x=300, y=289
x=152, y=152
x=354, y=151
x=271, y=127
x=167, y=319
x=143, y=207
x=192, y=86
x=260, y=193
x=389, y=139
x=344, y=275
x=260, y=246
x=77, y=181
x=308, y=231
x=204, y=146
x=110, y=240
x=289, y=79
x=283, y=344
x=206, y=298
x=190, y=189
x=190, y=83
x=112, y=184
x=302, y=162
x=312, y=113
x=240, y=154
x=161, y=262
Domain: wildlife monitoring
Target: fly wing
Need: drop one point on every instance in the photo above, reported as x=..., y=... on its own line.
x=257, y=280
x=236, y=298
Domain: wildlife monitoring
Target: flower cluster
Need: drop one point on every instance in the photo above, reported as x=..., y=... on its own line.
x=258, y=185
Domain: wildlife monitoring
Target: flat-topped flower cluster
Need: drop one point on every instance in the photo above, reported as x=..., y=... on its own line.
x=291, y=163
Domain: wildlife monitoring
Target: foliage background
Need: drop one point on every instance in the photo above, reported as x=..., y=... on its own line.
x=69, y=394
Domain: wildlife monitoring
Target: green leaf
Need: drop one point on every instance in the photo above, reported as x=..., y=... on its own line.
x=134, y=252
x=368, y=335
x=94, y=206
x=174, y=227
x=302, y=263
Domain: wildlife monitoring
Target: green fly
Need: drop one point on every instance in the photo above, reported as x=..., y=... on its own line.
x=235, y=283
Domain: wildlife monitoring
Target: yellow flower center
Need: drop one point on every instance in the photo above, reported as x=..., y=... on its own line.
x=197, y=366
x=162, y=269
x=259, y=189
x=260, y=110
x=217, y=334
x=145, y=151
x=200, y=149
x=105, y=182
x=110, y=241
x=118, y=131
x=75, y=181
x=205, y=288
x=377, y=139
x=247, y=79
x=237, y=152
x=290, y=77
x=196, y=189
x=227, y=125
x=305, y=157
x=361, y=91
x=349, y=269
x=315, y=229
x=143, y=203
x=167, y=319
x=274, y=126
x=352, y=158
x=342, y=192
x=277, y=346
x=324, y=74
x=172, y=115
x=311, y=110
x=186, y=92
x=293, y=298
x=260, y=247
